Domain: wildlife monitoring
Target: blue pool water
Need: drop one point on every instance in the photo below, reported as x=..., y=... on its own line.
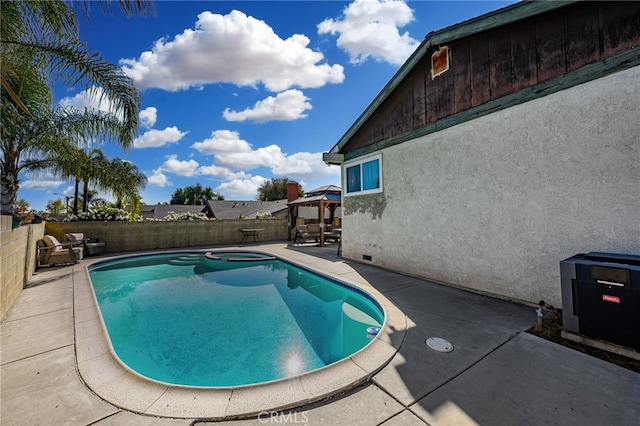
x=190, y=320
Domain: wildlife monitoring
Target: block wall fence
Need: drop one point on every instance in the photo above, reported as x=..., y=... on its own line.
x=18, y=259
x=126, y=236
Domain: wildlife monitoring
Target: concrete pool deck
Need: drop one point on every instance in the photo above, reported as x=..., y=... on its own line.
x=496, y=374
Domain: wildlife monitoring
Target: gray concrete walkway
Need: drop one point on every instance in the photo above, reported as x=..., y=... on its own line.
x=496, y=375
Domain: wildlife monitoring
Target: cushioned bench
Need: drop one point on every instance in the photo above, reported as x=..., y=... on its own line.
x=91, y=246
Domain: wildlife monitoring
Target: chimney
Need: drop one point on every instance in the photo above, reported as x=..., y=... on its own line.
x=292, y=191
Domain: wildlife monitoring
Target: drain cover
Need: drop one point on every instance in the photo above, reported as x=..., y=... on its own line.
x=439, y=344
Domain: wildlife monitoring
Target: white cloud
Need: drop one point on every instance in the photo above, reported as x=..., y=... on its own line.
x=305, y=165
x=222, y=141
x=41, y=182
x=91, y=99
x=233, y=48
x=234, y=158
x=268, y=156
x=240, y=188
x=233, y=154
x=158, y=178
x=286, y=106
x=69, y=191
x=222, y=172
x=173, y=165
x=182, y=168
x=155, y=138
x=148, y=117
x=369, y=28
x=236, y=154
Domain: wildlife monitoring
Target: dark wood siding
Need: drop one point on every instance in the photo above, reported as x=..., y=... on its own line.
x=501, y=61
x=462, y=78
x=582, y=37
x=418, y=77
x=479, y=59
x=523, y=56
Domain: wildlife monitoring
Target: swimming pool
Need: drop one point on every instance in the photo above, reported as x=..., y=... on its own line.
x=228, y=318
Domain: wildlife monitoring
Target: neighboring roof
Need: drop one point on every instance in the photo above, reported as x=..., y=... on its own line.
x=483, y=23
x=218, y=209
x=223, y=209
x=329, y=193
x=159, y=211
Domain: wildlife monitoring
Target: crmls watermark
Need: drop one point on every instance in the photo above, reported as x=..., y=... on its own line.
x=274, y=417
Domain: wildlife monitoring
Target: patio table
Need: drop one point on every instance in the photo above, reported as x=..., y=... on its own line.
x=250, y=233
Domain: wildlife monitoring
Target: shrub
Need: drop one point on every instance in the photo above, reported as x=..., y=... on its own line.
x=101, y=214
x=186, y=216
x=264, y=216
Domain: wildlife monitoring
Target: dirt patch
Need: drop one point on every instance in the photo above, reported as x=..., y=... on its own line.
x=551, y=329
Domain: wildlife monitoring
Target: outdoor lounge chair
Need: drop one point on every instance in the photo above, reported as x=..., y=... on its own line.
x=91, y=246
x=52, y=252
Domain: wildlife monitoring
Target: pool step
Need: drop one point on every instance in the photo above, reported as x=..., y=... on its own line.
x=187, y=260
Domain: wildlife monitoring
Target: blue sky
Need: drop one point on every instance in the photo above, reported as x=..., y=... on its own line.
x=235, y=93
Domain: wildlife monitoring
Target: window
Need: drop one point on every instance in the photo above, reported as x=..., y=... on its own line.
x=364, y=176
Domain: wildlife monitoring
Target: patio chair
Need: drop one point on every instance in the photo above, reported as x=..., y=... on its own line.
x=314, y=231
x=52, y=252
x=91, y=246
x=306, y=232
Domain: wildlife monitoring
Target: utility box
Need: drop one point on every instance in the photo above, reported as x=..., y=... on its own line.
x=601, y=297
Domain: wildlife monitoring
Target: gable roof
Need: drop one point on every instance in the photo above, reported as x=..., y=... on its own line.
x=223, y=209
x=159, y=211
x=483, y=23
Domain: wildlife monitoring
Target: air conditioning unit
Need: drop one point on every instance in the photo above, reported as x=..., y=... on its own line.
x=601, y=297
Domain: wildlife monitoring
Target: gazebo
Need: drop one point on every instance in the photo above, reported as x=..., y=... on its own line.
x=328, y=197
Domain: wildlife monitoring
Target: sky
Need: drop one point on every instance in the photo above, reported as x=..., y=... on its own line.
x=235, y=93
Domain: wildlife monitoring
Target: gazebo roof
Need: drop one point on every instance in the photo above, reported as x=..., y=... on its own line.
x=325, y=189
x=328, y=194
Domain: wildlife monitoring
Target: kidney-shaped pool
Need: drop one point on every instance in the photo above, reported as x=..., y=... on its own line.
x=228, y=318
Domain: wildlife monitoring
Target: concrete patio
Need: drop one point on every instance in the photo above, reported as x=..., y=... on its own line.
x=497, y=373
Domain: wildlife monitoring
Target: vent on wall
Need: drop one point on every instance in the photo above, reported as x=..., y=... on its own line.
x=366, y=257
x=439, y=62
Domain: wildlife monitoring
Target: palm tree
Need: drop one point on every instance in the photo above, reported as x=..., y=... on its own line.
x=91, y=199
x=70, y=164
x=94, y=171
x=49, y=29
x=125, y=181
x=39, y=39
x=24, y=142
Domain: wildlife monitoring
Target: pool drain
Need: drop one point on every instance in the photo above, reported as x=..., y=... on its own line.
x=439, y=344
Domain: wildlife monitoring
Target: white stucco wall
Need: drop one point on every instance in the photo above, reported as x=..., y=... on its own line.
x=496, y=203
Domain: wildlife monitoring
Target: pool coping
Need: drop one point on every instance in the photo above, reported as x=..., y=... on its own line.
x=107, y=377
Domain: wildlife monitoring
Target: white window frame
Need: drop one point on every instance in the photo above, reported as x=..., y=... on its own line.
x=359, y=162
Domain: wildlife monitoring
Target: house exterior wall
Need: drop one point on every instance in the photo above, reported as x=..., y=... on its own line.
x=494, y=204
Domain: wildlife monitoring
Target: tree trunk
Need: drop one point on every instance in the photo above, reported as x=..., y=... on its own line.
x=75, y=197
x=85, y=196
